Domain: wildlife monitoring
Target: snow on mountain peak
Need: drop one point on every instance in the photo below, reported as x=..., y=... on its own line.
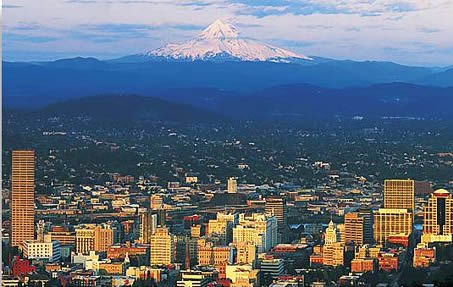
x=222, y=40
x=219, y=30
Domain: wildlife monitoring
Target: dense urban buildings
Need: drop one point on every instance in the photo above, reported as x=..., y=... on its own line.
x=112, y=228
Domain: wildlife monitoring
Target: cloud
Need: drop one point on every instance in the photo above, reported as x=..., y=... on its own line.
x=291, y=43
x=428, y=30
x=27, y=38
x=316, y=27
x=373, y=29
x=308, y=7
x=81, y=1
x=6, y=6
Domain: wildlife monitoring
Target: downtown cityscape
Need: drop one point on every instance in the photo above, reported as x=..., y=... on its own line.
x=227, y=143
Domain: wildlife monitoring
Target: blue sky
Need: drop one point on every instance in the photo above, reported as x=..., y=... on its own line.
x=414, y=32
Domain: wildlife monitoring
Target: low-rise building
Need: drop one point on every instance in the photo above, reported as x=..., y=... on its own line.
x=42, y=250
x=424, y=256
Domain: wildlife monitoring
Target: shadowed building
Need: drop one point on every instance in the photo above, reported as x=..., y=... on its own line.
x=276, y=206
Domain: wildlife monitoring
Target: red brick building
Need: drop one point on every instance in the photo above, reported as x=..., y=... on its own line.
x=424, y=256
x=363, y=265
x=401, y=239
x=389, y=261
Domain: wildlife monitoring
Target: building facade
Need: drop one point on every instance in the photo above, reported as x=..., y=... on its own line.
x=276, y=206
x=92, y=237
x=162, y=247
x=354, y=228
x=257, y=228
x=437, y=217
x=148, y=225
x=389, y=222
x=399, y=194
x=22, y=197
x=232, y=185
x=47, y=249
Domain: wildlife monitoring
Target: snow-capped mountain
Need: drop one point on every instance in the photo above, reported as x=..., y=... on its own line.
x=223, y=41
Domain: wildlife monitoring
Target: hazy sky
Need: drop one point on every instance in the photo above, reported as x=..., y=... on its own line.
x=416, y=32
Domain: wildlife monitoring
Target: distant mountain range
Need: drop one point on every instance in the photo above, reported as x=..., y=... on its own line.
x=222, y=73
x=289, y=102
x=40, y=83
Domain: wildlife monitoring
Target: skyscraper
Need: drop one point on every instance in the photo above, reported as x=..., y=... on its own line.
x=22, y=197
x=148, y=224
x=399, y=194
x=276, y=206
x=389, y=222
x=367, y=214
x=232, y=185
x=162, y=247
x=437, y=217
x=354, y=228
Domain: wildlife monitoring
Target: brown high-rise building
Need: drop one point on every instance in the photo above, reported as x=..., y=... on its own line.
x=399, y=194
x=276, y=206
x=22, y=197
x=354, y=228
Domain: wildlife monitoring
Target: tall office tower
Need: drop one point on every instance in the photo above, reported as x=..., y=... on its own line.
x=331, y=235
x=232, y=185
x=399, y=194
x=156, y=202
x=437, y=217
x=22, y=197
x=391, y=222
x=276, y=206
x=161, y=217
x=354, y=228
x=162, y=247
x=367, y=214
x=148, y=225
